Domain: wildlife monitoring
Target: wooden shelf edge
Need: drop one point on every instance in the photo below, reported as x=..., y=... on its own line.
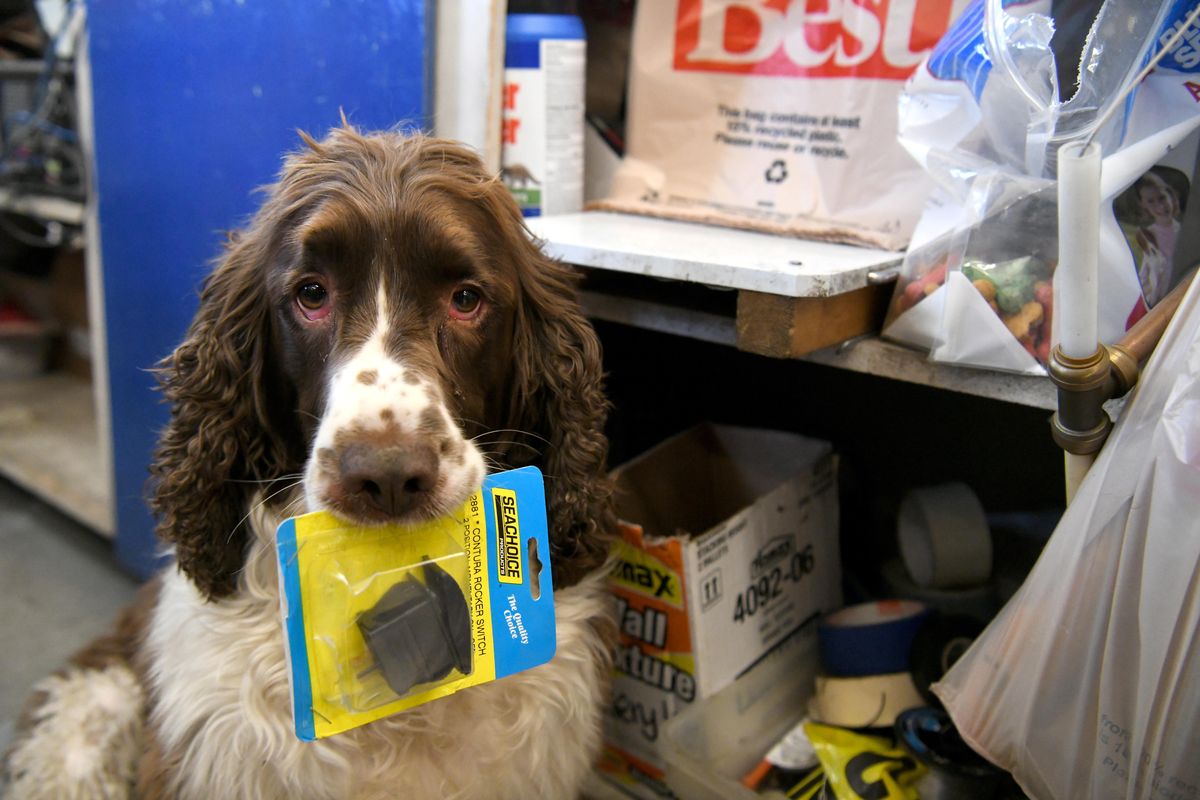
x=874, y=356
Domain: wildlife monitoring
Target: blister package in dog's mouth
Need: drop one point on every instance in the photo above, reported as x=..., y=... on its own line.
x=381, y=619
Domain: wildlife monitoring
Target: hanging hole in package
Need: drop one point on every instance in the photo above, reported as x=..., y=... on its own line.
x=381, y=619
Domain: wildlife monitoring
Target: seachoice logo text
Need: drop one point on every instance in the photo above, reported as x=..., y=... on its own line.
x=508, y=539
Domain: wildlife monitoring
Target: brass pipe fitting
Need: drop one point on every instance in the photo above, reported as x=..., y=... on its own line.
x=1081, y=425
x=1084, y=384
x=1125, y=370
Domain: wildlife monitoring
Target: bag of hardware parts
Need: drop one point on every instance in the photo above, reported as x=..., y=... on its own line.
x=977, y=286
x=777, y=115
x=1087, y=685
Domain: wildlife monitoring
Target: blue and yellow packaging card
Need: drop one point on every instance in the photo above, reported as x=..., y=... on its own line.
x=494, y=551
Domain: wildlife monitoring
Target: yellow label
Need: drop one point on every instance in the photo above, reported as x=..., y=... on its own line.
x=381, y=551
x=508, y=540
x=641, y=572
x=479, y=593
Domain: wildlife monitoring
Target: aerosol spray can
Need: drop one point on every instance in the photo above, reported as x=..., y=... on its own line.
x=541, y=155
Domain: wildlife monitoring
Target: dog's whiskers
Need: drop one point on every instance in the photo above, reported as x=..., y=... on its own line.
x=258, y=505
x=462, y=421
x=292, y=476
x=531, y=434
x=515, y=443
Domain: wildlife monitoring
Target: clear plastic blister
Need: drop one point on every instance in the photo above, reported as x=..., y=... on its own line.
x=388, y=621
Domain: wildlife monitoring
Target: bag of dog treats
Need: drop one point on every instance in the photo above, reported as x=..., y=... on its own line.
x=984, y=118
x=382, y=619
x=777, y=115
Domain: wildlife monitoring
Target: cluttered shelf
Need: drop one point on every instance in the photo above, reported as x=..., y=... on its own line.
x=771, y=295
x=49, y=445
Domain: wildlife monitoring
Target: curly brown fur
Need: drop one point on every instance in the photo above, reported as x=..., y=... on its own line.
x=559, y=396
x=224, y=436
x=557, y=403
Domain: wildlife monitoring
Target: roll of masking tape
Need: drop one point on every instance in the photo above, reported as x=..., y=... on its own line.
x=944, y=537
x=869, y=638
x=873, y=701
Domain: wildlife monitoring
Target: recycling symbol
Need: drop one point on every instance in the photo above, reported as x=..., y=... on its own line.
x=777, y=172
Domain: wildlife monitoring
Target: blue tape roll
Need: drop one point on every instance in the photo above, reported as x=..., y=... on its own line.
x=870, y=638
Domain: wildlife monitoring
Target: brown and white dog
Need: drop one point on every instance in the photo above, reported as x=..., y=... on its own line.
x=382, y=334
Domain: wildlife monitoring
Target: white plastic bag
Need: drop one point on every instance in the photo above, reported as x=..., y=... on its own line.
x=984, y=119
x=1087, y=685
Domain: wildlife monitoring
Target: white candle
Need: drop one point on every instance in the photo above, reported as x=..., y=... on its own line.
x=1077, y=467
x=1075, y=294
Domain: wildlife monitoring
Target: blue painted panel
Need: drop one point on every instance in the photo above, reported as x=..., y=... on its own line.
x=195, y=102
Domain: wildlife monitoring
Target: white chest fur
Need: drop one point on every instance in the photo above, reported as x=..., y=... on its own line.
x=223, y=706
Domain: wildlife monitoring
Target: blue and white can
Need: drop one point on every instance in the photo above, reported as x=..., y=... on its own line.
x=542, y=153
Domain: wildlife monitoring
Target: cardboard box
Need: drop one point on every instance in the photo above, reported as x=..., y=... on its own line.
x=730, y=547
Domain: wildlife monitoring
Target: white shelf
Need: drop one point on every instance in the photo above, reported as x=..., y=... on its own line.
x=705, y=254
x=49, y=445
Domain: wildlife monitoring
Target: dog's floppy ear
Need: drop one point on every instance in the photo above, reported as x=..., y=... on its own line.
x=558, y=396
x=219, y=441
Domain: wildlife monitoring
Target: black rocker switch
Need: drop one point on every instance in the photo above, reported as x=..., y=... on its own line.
x=454, y=614
x=418, y=632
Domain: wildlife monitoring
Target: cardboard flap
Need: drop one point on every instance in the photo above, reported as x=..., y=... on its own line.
x=700, y=477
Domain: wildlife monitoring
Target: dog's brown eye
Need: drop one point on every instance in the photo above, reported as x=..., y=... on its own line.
x=465, y=303
x=313, y=300
x=312, y=296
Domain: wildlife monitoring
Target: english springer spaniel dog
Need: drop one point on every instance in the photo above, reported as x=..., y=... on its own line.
x=382, y=334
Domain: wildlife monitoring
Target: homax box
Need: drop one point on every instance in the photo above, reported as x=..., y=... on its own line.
x=729, y=546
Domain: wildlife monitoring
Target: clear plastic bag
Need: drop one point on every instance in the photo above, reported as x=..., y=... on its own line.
x=1087, y=684
x=984, y=120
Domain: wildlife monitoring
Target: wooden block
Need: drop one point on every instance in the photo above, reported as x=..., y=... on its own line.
x=790, y=327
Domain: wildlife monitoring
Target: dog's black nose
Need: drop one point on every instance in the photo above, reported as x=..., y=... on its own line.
x=391, y=480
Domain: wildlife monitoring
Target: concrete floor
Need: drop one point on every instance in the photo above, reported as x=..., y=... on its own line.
x=59, y=587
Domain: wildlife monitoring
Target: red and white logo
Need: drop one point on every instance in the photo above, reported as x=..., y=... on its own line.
x=814, y=38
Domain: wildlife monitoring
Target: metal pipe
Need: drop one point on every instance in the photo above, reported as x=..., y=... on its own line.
x=1140, y=340
x=1081, y=426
